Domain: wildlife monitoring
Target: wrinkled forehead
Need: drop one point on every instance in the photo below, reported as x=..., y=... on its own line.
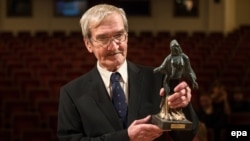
x=110, y=25
x=97, y=18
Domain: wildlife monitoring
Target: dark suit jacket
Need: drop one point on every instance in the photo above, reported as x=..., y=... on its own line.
x=87, y=113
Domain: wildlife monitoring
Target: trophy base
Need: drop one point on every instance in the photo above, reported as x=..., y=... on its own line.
x=171, y=124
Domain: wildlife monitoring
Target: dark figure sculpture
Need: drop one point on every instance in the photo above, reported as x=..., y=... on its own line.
x=176, y=68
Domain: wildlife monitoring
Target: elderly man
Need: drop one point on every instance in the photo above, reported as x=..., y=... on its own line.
x=114, y=100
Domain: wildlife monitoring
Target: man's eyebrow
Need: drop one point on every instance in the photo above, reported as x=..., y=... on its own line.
x=104, y=35
x=121, y=31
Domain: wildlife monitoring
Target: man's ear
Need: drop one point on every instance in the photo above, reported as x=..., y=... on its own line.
x=88, y=44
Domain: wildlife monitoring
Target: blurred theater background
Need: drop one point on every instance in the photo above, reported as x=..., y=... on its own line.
x=41, y=49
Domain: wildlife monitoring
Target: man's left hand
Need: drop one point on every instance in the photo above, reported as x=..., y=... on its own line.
x=181, y=96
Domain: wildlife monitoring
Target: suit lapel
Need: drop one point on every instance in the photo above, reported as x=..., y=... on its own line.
x=103, y=100
x=134, y=92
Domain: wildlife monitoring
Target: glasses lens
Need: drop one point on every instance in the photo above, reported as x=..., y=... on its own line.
x=119, y=38
x=105, y=41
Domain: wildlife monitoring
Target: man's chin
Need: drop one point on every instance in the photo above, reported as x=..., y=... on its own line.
x=117, y=56
x=114, y=64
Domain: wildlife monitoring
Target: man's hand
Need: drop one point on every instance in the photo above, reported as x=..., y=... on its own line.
x=141, y=130
x=181, y=96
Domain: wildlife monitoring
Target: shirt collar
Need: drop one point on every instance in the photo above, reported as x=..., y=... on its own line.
x=106, y=74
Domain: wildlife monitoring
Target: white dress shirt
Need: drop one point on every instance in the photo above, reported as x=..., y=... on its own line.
x=107, y=74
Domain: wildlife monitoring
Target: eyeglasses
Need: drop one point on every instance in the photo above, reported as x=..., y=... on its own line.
x=105, y=41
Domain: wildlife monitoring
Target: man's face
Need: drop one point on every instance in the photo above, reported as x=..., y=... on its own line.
x=113, y=54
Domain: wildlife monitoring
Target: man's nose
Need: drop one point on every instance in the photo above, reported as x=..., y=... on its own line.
x=113, y=45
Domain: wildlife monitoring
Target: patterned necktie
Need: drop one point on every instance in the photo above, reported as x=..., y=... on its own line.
x=118, y=97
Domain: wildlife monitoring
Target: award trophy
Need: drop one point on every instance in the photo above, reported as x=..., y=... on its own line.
x=176, y=68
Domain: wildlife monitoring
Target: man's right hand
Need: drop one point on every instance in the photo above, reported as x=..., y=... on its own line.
x=141, y=130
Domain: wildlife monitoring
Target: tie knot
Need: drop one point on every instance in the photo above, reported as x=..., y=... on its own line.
x=115, y=77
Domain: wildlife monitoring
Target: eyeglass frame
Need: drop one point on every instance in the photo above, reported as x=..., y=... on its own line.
x=114, y=38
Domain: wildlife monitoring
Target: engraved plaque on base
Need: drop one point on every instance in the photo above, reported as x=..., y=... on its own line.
x=171, y=124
